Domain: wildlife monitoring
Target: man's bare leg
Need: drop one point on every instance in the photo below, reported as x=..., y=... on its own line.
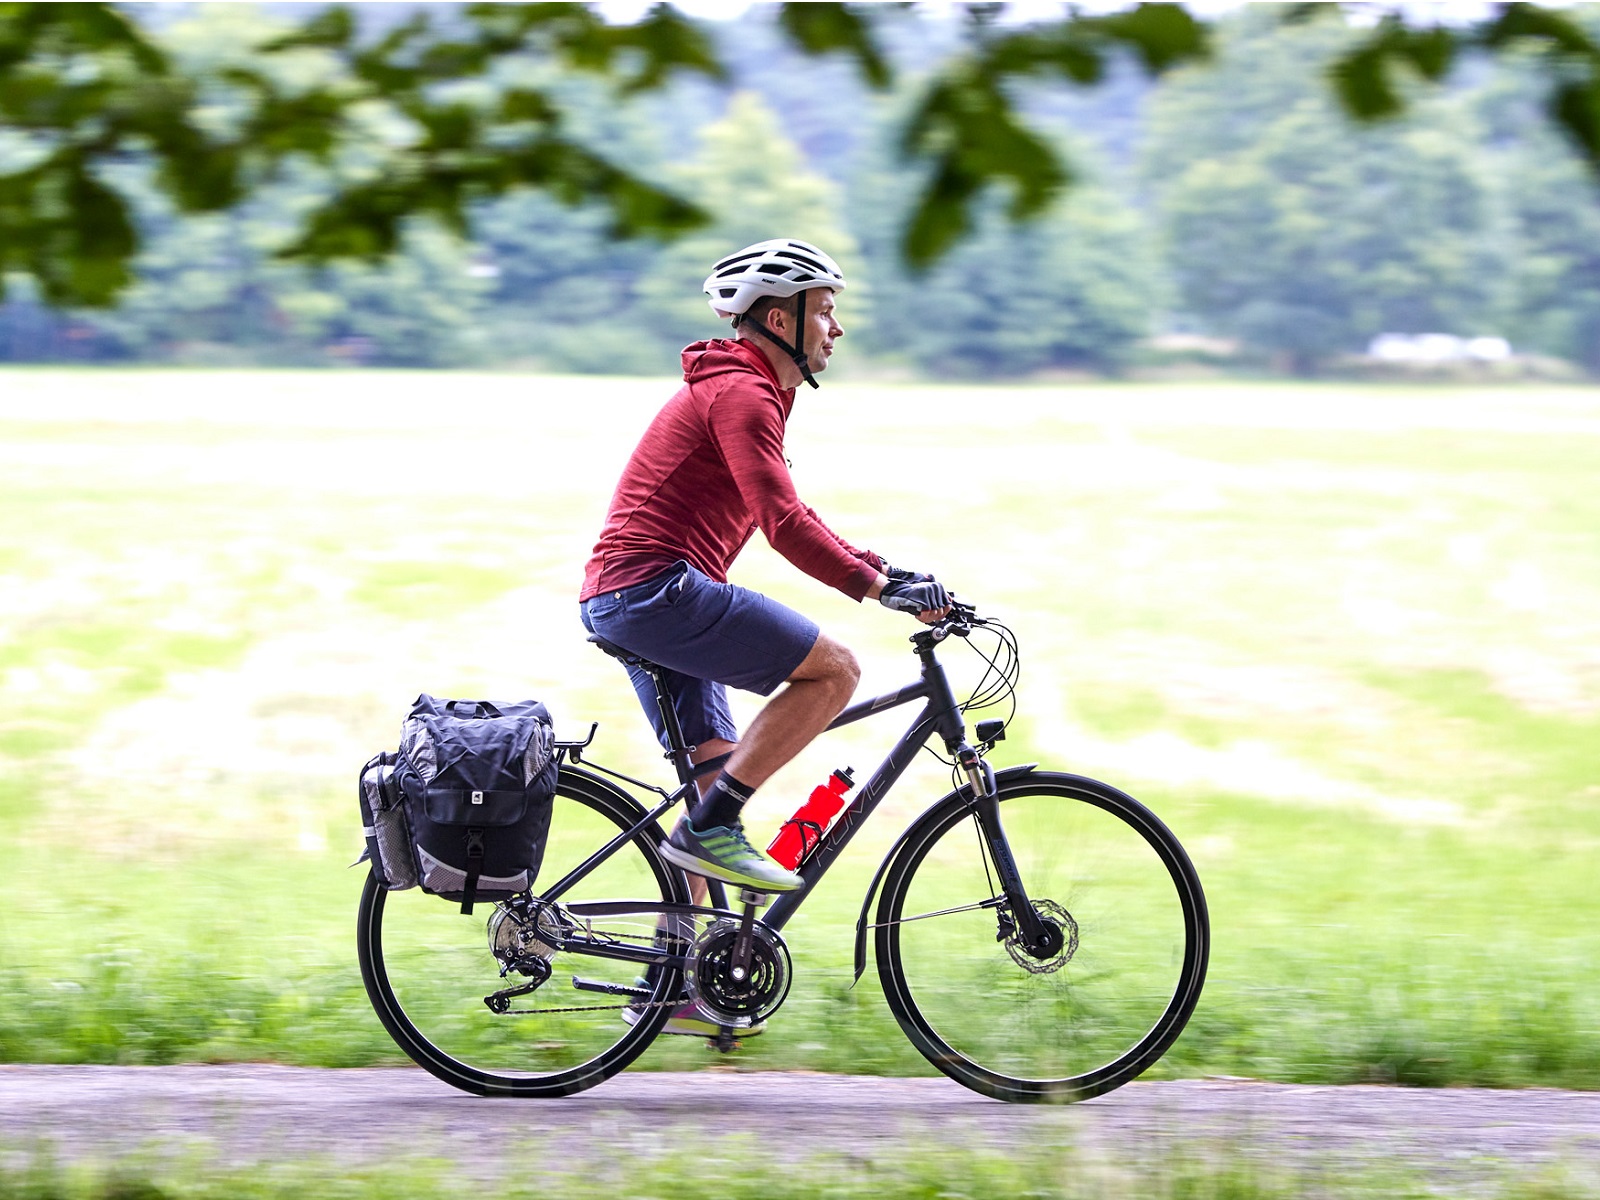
x=816, y=693
x=712, y=836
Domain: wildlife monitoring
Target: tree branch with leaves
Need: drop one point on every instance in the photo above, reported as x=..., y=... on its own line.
x=84, y=87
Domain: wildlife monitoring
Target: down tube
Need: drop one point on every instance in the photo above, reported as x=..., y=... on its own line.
x=853, y=817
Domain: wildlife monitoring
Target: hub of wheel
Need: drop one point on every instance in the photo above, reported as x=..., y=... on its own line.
x=1056, y=946
x=524, y=934
x=743, y=997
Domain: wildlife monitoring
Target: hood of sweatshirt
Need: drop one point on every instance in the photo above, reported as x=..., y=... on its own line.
x=704, y=360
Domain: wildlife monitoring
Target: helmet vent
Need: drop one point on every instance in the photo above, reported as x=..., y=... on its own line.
x=773, y=268
x=810, y=262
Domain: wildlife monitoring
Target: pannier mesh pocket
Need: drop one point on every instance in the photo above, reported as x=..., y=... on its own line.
x=441, y=877
x=390, y=830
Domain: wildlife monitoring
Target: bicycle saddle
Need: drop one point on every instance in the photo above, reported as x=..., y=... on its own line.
x=617, y=652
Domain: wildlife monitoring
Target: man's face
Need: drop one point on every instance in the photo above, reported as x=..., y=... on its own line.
x=822, y=330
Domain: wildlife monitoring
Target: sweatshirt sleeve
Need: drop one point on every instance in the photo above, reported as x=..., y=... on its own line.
x=746, y=422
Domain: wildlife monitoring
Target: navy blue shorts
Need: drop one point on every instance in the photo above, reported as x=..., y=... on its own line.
x=709, y=636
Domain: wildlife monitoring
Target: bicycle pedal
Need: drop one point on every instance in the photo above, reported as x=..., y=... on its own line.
x=758, y=899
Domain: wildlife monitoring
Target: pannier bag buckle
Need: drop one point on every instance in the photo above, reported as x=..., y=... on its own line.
x=477, y=797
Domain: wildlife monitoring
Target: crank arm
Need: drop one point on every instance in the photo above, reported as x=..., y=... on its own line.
x=610, y=989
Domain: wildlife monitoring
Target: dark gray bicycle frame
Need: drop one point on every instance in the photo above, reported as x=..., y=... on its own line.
x=940, y=714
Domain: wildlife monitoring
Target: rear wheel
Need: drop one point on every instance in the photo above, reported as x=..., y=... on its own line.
x=1118, y=975
x=435, y=978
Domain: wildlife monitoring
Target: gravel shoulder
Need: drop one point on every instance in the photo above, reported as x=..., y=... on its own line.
x=243, y=1114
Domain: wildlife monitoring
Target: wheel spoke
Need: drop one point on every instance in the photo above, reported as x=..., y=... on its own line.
x=444, y=983
x=992, y=902
x=1088, y=1009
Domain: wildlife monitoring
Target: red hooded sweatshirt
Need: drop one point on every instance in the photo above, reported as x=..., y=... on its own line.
x=707, y=474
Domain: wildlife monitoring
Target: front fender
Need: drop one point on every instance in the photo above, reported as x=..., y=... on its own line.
x=1001, y=777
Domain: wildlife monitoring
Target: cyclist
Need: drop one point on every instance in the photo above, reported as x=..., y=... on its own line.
x=708, y=472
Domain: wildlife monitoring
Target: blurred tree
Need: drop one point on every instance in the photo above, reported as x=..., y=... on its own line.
x=83, y=87
x=1306, y=236
x=562, y=289
x=1074, y=287
x=1553, y=214
x=210, y=286
x=752, y=180
x=1556, y=307
x=563, y=283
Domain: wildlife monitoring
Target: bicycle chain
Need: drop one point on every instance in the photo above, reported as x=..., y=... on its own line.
x=545, y=1012
x=617, y=935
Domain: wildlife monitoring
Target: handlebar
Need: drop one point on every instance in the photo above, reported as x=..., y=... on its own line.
x=960, y=621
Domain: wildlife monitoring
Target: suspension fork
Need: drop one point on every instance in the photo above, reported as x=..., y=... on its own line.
x=1037, y=936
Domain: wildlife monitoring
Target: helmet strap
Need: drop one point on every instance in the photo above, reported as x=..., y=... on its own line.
x=795, y=352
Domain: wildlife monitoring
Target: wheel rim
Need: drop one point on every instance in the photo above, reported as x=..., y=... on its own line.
x=1070, y=1021
x=429, y=969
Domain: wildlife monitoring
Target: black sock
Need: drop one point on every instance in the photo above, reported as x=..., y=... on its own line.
x=721, y=803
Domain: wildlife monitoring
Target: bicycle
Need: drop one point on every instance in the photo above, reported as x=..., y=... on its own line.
x=1052, y=977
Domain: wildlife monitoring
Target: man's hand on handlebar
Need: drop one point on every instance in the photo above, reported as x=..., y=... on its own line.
x=926, y=598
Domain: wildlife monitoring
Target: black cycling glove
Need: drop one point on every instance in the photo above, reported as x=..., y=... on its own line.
x=902, y=574
x=905, y=596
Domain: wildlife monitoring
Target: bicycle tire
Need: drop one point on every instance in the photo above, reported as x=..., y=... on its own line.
x=428, y=968
x=1109, y=1008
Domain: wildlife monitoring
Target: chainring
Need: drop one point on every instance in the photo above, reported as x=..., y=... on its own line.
x=1053, y=914
x=742, y=1001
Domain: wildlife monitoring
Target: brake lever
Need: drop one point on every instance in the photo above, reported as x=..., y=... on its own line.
x=962, y=617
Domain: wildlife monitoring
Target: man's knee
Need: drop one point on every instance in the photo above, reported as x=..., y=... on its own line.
x=830, y=661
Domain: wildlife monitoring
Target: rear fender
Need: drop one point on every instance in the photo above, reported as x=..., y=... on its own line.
x=580, y=780
x=862, y=923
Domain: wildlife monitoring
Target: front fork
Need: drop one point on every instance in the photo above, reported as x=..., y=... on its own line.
x=1037, y=937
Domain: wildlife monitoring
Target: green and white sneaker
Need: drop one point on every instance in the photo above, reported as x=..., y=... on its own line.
x=723, y=852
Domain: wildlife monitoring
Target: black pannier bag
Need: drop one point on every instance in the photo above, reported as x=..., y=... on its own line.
x=463, y=810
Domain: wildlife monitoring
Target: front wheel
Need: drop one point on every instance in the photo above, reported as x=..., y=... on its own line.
x=1111, y=988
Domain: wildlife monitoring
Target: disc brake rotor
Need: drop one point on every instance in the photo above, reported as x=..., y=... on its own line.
x=1052, y=914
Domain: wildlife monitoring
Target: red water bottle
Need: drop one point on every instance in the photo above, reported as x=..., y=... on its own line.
x=800, y=834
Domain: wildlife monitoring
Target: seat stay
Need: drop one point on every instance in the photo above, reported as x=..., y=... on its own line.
x=567, y=881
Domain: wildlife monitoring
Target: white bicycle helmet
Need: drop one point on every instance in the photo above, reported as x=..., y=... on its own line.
x=779, y=267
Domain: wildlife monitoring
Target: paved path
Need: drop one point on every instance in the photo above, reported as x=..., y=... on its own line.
x=245, y=1114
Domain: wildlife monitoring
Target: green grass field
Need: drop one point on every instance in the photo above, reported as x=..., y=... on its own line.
x=1345, y=641
x=915, y=1171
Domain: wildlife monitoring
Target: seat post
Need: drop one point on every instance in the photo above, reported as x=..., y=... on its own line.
x=676, y=750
